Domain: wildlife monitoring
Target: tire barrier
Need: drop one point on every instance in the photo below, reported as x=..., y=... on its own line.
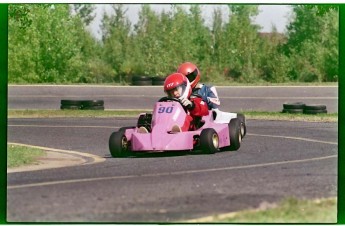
x=142, y=80
x=158, y=81
x=82, y=104
x=302, y=108
x=314, y=109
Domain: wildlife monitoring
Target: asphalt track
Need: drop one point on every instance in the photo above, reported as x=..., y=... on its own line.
x=277, y=159
x=236, y=98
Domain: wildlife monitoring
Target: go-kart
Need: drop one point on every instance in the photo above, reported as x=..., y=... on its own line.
x=158, y=136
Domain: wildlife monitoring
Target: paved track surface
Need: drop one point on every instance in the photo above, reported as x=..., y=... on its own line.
x=133, y=97
x=277, y=159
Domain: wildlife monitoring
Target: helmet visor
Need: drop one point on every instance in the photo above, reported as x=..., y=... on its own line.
x=191, y=76
x=176, y=92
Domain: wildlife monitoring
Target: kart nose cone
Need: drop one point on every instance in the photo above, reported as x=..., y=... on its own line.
x=157, y=141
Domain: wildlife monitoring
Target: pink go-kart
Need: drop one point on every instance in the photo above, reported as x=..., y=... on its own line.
x=155, y=132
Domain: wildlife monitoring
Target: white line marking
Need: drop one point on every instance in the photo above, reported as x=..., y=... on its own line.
x=80, y=96
x=51, y=126
x=294, y=138
x=116, y=127
x=168, y=174
x=153, y=96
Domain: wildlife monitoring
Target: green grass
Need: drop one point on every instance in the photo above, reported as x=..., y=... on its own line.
x=330, y=117
x=290, y=210
x=333, y=117
x=20, y=155
x=220, y=82
x=229, y=83
x=32, y=113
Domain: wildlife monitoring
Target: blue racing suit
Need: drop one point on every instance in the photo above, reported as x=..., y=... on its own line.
x=209, y=95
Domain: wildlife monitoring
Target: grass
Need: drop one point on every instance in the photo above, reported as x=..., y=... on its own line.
x=230, y=83
x=221, y=82
x=73, y=113
x=332, y=117
x=290, y=210
x=20, y=155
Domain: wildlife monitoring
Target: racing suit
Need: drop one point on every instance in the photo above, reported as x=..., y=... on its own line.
x=209, y=95
x=194, y=114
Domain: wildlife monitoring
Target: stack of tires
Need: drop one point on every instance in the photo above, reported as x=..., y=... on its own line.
x=294, y=108
x=82, y=104
x=158, y=81
x=302, y=108
x=314, y=109
x=142, y=80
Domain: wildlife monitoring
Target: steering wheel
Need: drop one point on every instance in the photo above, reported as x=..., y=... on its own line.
x=165, y=99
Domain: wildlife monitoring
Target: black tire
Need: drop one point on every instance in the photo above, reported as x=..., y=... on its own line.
x=142, y=83
x=293, y=111
x=123, y=129
x=235, y=134
x=243, y=124
x=90, y=103
x=118, y=144
x=312, y=112
x=141, y=80
x=209, y=141
x=93, y=108
x=295, y=105
x=71, y=102
x=314, y=107
x=158, y=81
x=145, y=121
x=70, y=107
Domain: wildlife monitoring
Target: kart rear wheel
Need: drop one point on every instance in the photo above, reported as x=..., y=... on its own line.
x=209, y=141
x=243, y=124
x=235, y=134
x=118, y=144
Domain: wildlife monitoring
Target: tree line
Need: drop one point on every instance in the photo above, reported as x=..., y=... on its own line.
x=50, y=43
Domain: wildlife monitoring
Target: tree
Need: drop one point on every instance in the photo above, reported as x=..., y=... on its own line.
x=85, y=11
x=116, y=29
x=54, y=48
x=148, y=42
x=274, y=64
x=217, y=40
x=22, y=13
x=313, y=44
x=201, y=45
x=241, y=41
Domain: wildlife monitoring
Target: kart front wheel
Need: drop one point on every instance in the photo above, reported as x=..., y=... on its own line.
x=209, y=141
x=118, y=144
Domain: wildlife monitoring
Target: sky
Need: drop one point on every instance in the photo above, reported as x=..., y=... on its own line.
x=269, y=15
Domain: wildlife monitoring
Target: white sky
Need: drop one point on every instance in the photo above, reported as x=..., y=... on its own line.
x=269, y=15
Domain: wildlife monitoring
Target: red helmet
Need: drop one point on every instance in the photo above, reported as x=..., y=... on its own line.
x=191, y=72
x=177, y=85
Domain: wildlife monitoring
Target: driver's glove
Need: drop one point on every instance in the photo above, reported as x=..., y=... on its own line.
x=187, y=103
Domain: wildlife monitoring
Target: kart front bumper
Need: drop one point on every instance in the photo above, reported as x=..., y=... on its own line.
x=152, y=142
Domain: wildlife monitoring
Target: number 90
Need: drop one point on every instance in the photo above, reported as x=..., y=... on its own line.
x=165, y=109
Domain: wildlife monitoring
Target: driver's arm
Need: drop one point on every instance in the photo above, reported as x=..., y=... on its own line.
x=200, y=107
